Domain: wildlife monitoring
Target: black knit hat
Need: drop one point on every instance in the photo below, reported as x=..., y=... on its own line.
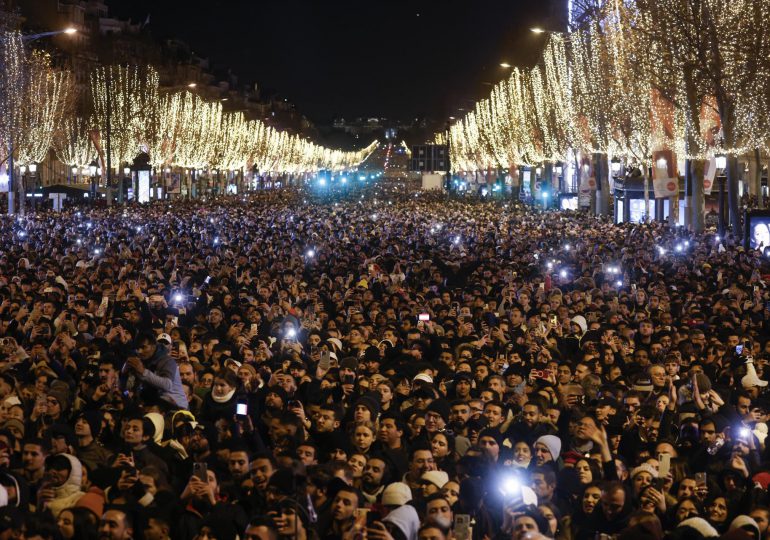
x=440, y=407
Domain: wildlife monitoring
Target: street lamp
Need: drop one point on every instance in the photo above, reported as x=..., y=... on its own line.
x=615, y=166
x=75, y=174
x=33, y=171
x=93, y=167
x=721, y=161
x=505, y=65
x=33, y=37
x=537, y=30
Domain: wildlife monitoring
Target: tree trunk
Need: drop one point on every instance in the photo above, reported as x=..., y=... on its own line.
x=646, y=176
x=697, y=209
x=733, y=200
x=601, y=172
x=756, y=177
x=22, y=195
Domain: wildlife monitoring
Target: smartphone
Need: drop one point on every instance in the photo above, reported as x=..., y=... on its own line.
x=554, y=320
x=700, y=479
x=207, y=280
x=201, y=470
x=360, y=517
x=241, y=408
x=371, y=519
x=739, y=350
x=664, y=465
x=325, y=362
x=424, y=317
x=462, y=527
x=542, y=286
x=254, y=328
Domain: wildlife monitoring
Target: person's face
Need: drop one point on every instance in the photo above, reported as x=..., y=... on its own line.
x=686, y=488
x=32, y=457
x=363, y=437
x=591, y=497
x=307, y=455
x=658, y=376
x=687, y=509
x=261, y=471
x=386, y=394
x=260, y=532
x=238, y=464
x=542, y=454
x=107, y=374
x=344, y=505
x=434, y=422
x=522, y=453
x=581, y=371
x=362, y=414
x=708, y=433
x=145, y=351
x=763, y=520
x=641, y=480
x=439, y=446
x=113, y=526
x=66, y=524
x=438, y=512
x=187, y=374
x=373, y=472
x=422, y=462
x=431, y=533
x=494, y=415
x=357, y=462
x=207, y=380
x=542, y=489
x=743, y=406
x=155, y=530
x=463, y=388
x=612, y=503
x=550, y=517
x=717, y=510
x=522, y=526
x=451, y=491
x=459, y=414
x=133, y=432
x=389, y=432
x=531, y=415
x=325, y=421
x=490, y=447
x=564, y=375
x=583, y=470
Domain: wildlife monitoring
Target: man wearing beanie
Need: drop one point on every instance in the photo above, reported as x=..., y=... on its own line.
x=436, y=416
x=367, y=408
x=547, y=449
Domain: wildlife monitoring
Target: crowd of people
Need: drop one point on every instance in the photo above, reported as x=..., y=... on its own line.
x=378, y=365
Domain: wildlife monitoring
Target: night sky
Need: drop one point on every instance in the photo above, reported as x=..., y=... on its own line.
x=398, y=59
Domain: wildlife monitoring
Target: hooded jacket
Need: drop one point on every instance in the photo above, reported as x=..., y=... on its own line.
x=69, y=492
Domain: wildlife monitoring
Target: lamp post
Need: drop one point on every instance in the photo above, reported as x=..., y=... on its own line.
x=721, y=163
x=74, y=177
x=92, y=168
x=33, y=174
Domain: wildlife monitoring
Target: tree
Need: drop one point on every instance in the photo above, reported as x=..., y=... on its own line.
x=720, y=48
x=34, y=99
